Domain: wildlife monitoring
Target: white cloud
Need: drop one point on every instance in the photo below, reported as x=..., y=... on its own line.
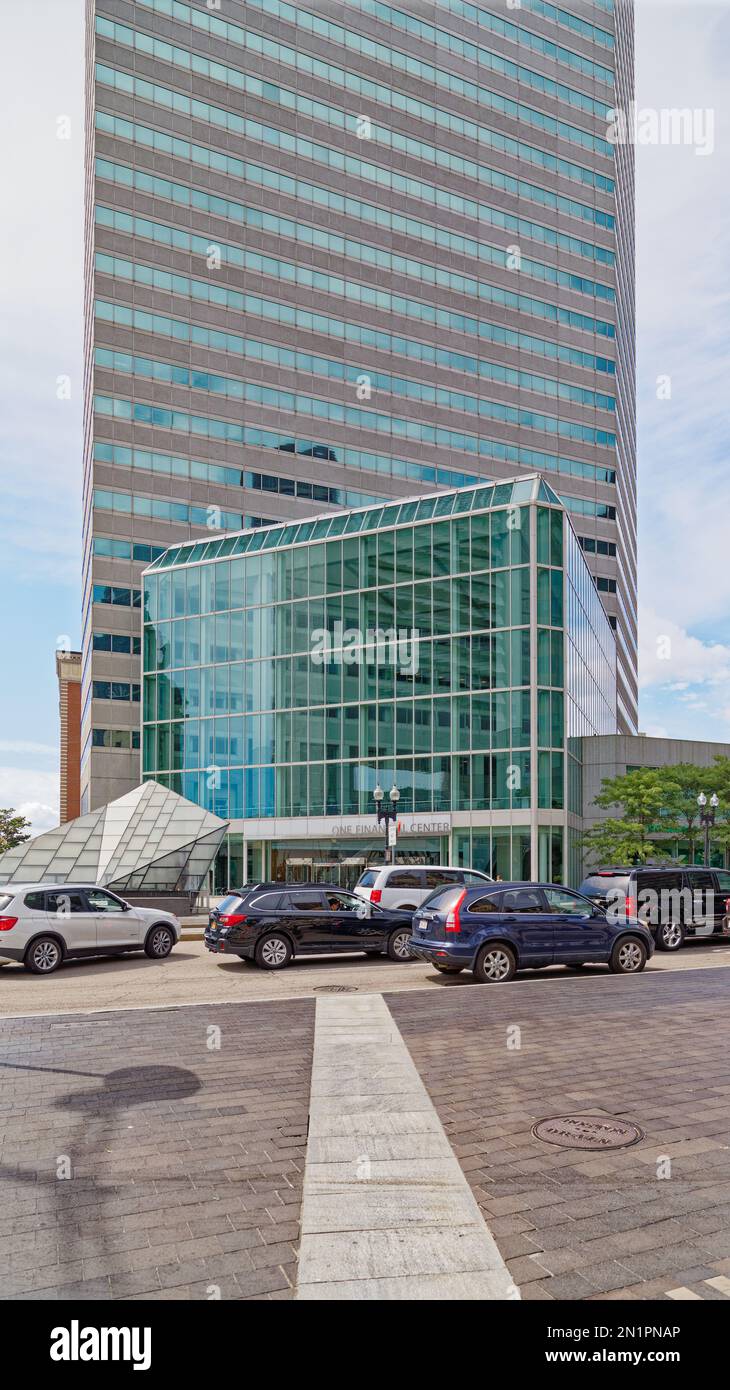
x=41, y=817
x=8, y=745
x=32, y=794
x=683, y=319
x=687, y=661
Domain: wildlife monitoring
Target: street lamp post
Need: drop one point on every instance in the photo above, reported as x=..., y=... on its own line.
x=387, y=814
x=707, y=820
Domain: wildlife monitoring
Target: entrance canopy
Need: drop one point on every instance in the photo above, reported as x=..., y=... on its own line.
x=150, y=840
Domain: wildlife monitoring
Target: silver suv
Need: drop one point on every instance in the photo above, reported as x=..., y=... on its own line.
x=408, y=885
x=43, y=924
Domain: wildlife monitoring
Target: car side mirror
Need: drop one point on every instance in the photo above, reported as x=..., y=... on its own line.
x=126, y=907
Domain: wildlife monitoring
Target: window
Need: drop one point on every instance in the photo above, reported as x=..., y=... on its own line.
x=406, y=878
x=444, y=898
x=436, y=877
x=472, y=879
x=232, y=903
x=346, y=902
x=522, y=900
x=35, y=901
x=484, y=905
x=723, y=881
x=62, y=903
x=99, y=901
x=559, y=900
x=367, y=879
x=306, y=902
x=268, y=902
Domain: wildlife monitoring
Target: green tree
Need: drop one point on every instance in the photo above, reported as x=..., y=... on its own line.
x=684, y=782
x=615, y=841
x=14, y=829
x=641, y=795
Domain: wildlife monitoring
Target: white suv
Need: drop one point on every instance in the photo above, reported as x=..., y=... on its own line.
x=408, y=885
x=43, y=924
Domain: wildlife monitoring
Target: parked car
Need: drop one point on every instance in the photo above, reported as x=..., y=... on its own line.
x=512, y=926
x=271, y=923
x=406, y=886
x=44, y=924
x=675, y=903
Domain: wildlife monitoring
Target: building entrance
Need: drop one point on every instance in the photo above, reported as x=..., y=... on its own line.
x=343, y=861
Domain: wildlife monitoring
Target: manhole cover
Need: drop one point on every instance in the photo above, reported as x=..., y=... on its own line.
x=587, y=1132
x=335, y=989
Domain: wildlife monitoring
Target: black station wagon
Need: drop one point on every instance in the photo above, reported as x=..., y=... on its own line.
x=271, y=923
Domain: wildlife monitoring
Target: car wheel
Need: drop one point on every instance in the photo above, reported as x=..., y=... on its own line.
x=43, y=956
x=447, y=969
x=159, y=943
x=628, y=956
x=495, y=964
x=273, y=952
x=399, y=944
x=669, y=936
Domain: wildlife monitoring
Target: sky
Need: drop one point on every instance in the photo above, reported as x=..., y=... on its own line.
x=683, y=332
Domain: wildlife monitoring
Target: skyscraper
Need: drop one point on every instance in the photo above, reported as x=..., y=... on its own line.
x=345, y=252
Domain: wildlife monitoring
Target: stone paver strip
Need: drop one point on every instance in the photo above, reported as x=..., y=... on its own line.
x=376, y=1226
x=599, y=1224
x=186, y=1160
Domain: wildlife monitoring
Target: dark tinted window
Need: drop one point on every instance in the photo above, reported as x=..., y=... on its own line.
x=443, y=898
x=306, y=902
x=5, y=900
x=436, y=877
x=600, y=885
x=35, y=901
x=62, y=903
x=267, y=902
x=230, y=904
x=484, y=905
x=367, y=879
x=522, y=900
x=657, y=882
x=723, y=881
x=406, y=878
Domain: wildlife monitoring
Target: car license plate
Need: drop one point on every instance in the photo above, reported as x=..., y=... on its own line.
x=422, y=925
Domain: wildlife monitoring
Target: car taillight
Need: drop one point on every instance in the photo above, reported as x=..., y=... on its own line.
x=453, y=921
x=630, y=908
x=375, y=895
x=7, y=923
x=231, y=919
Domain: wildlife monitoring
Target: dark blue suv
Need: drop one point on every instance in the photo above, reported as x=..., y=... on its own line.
x=511, y=926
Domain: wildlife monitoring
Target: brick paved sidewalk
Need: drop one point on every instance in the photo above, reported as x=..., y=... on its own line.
x=187, y=1160
x=573, y=1224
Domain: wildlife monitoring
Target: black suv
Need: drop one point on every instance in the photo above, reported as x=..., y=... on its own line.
x=675, y=903
x=270, y=923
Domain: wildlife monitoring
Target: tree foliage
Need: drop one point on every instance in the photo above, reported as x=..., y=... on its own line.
x=14, y=829
x=658, y=802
